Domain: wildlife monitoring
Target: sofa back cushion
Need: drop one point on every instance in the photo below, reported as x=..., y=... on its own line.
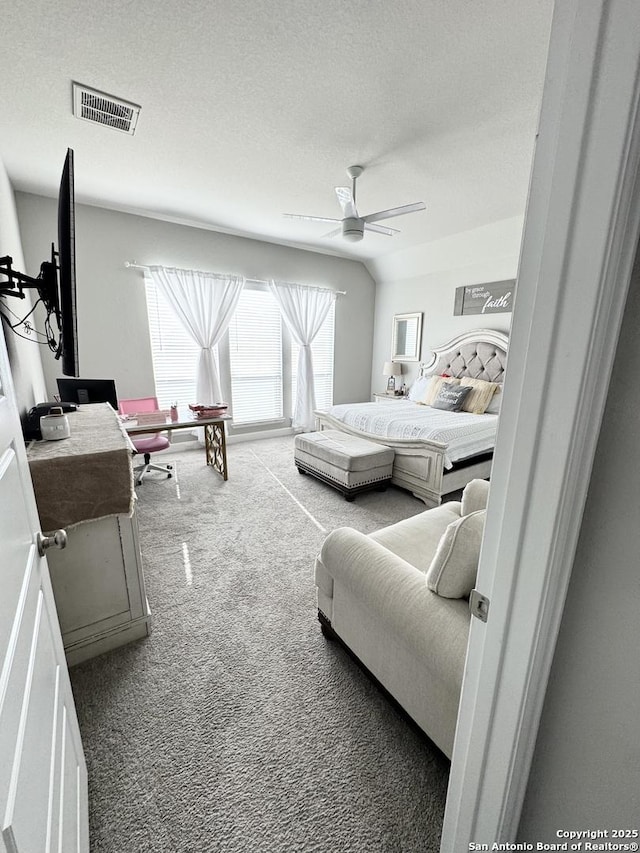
x=474, y=496
x=416, y=539
x=453, y=570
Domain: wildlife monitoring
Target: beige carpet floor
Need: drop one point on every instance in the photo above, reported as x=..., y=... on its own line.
x=236, y=726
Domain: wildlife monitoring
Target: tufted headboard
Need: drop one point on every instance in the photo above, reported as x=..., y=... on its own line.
x=480, y=353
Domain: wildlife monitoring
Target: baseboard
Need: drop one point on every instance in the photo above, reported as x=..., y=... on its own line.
x=91, y=647
x=253, y=436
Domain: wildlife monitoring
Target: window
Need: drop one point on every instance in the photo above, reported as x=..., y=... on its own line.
x=174, y=352
x=258, y=359
x=255, y=355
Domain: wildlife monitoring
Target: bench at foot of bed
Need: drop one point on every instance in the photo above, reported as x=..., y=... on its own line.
x=349, y=464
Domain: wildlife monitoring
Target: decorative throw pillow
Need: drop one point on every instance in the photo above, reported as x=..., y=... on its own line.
x=435, y=384
x=453, y=570
x=451, y=397
x=480, y=396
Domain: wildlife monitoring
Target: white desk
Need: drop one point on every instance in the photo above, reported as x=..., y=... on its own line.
x=85, y=484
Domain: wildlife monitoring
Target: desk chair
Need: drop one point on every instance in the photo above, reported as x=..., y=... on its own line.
x=146, y=444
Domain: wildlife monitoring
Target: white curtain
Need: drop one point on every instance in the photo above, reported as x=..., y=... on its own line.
x=204, y=303
x=304, y=310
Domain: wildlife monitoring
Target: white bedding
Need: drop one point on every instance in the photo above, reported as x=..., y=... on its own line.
x=463, y=434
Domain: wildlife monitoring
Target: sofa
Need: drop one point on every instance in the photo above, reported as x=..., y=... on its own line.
x=397, y=599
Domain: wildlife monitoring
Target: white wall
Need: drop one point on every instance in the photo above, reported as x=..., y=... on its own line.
x=24, y=356
x=586, y=768
x=425, y=279
x=112, y=323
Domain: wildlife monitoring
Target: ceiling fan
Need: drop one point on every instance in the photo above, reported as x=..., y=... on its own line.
x=353, y=226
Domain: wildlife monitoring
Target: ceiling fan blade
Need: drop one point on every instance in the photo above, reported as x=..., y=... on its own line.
x=310, y=218
x=347, y=201
x=395, y=211
x=334, y=233
x=380, y=229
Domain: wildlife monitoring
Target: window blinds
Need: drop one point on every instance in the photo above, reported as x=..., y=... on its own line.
x=174, y=352
x=255, y=353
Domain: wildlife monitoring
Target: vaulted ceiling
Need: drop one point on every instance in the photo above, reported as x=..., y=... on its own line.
x=253, y=109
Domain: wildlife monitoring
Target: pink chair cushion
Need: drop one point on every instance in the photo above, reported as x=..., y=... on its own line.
x=151, y=444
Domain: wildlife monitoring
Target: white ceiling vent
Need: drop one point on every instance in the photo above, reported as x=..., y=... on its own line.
x=100, y=108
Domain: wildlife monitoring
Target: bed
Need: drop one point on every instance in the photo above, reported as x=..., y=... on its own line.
x=436, y=452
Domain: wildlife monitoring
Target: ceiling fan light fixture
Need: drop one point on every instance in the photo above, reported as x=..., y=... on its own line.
x=352, y=229
x=352, y=226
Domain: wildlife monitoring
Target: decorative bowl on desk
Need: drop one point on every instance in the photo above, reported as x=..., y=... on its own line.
x=213, y=410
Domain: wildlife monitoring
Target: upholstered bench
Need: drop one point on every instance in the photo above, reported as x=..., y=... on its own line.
x=347, y=463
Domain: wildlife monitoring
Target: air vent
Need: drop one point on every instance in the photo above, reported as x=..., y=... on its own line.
x=100, y=108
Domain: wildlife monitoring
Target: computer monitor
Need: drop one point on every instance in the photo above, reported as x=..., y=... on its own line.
x=88, y=391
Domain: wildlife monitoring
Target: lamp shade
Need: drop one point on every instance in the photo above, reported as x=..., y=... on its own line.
x=392, y=368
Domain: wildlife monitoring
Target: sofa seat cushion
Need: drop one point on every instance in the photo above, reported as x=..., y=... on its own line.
x=416, y=539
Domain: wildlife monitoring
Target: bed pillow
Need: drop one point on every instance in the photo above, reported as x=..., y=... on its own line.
x=434, y=386
x=453, y=570
x=451, y=397
x=494, y=404
x=419, y=388
x=480, y=396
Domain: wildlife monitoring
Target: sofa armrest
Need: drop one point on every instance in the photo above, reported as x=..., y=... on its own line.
x=395, y=592
x=364, y=565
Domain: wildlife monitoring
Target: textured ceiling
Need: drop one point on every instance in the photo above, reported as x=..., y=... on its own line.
x=251, y=109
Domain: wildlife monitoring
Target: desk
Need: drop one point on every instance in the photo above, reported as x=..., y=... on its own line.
x=214, y=433
x=85, y=484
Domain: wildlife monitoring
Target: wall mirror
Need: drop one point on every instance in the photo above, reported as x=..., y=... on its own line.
x=406, y=337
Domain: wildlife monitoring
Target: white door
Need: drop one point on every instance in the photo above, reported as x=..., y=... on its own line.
x=43, y=775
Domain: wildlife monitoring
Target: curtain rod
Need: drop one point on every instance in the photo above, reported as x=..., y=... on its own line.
x=134, y=266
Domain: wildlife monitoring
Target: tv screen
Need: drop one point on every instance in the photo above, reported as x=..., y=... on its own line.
x=67, y=316
x=88, y=391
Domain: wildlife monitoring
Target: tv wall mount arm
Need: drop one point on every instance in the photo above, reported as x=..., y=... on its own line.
x=47, y=286
x=45, y=283
x=16, y=279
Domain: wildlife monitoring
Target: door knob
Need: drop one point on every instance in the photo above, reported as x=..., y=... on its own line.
x=57, y=540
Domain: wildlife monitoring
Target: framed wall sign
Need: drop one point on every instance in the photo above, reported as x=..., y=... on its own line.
x=406, y=337
x=492, y=298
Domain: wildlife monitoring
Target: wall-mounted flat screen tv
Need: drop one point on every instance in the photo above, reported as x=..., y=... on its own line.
x=68, y=322
x=56, y=282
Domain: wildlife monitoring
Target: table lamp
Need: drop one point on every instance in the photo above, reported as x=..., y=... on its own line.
x=392, y=369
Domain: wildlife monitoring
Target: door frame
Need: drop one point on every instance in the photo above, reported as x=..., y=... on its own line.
x=580, y=238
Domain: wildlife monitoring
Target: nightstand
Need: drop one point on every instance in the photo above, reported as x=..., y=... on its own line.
x=383, y=397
